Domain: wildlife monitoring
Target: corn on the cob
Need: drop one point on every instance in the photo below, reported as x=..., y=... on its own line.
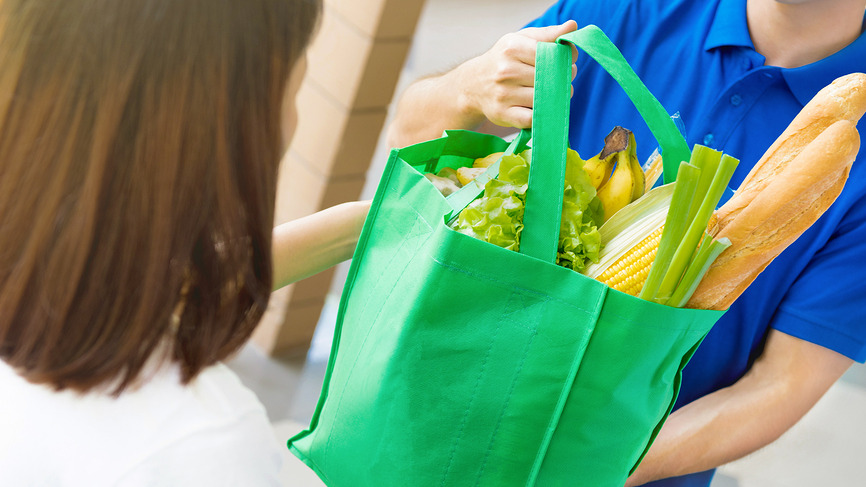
x=629, y=272
x=672, y=255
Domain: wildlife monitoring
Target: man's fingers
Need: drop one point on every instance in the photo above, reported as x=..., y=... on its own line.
x=506, y=99
x=522, y=97
x=519, y=47
x=510, y=100
x=526, y=53
x=518, y=117
x=550, y=33
x=517, y=75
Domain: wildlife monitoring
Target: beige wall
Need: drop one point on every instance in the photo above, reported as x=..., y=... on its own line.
x=355, y=62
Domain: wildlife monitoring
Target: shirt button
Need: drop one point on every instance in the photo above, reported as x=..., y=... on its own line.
x=768, y=74
x=709, y=139
x=736, y=99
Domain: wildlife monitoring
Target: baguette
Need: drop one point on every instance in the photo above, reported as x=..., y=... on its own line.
x=843, y=99
x=802, y=188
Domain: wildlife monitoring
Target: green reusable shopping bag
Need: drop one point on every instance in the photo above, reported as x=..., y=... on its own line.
x=456, y=362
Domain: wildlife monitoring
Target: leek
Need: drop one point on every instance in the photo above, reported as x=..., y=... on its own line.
x=696, y=228
x=707, y=160
x=704, y=258
x=676, y=224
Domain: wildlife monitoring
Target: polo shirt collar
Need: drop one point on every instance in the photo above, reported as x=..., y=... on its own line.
x=807, y=80
x=729, y=26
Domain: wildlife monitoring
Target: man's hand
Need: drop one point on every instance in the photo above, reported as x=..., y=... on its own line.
x=783, y=384
x=499, y=83
x=496, y=87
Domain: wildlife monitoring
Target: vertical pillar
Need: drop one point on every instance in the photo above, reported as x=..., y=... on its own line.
x=353, y=67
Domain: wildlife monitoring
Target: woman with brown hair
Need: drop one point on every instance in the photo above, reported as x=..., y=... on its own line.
x=139, y=147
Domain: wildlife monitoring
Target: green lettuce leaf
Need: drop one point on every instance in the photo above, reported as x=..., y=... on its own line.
x=497, y=216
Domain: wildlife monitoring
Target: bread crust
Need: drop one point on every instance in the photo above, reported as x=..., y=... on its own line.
x=843, y=99
x=799, y=191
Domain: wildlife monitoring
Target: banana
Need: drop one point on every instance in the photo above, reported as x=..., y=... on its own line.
x=599, y=170
x=627, y=183
x=636, y=169
x=619, y=189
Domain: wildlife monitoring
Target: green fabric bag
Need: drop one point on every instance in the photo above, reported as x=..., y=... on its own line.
x=456, y=362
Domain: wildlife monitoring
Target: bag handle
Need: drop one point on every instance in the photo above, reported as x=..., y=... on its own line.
x=550, y=115
x=461, y=198
x=593, y=41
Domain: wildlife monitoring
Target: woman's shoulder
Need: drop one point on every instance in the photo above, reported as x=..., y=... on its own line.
x=215, y=395
x=142, y=432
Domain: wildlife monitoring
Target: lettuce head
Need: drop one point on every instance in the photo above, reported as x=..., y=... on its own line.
x=497, y=216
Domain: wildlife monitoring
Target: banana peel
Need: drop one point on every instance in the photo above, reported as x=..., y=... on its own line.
x=627, y=181
x=599, y=170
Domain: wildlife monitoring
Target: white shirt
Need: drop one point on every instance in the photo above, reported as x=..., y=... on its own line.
x=213, y=432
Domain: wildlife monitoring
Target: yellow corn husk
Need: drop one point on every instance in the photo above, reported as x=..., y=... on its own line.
x=629, y=227
x=632, y=238
x=630, y=271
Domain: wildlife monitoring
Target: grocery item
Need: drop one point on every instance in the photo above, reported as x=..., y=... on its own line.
x=626, y=183
x=630, y=271
x=467, y=174
x=788, y=205
x=793, y=183
x=843, y=99
x=657, y=248
x=796, y=180
x=487, y=161
x=497, y=216
x=446, y=186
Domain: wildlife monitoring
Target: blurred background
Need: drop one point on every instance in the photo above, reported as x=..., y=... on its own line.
x=366, y=53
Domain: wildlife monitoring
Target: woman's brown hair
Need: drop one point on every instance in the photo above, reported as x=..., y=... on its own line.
x=139, y=147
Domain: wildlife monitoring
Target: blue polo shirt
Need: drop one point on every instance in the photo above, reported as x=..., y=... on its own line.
x=698, y=59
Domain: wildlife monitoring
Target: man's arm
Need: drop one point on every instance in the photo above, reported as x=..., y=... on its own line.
x=495, y=86
x=311, y=244
x=782, y=385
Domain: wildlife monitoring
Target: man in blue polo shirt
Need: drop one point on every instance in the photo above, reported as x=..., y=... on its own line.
x=737, y=71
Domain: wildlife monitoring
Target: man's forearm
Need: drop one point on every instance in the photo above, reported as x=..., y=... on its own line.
x=432, y=105
x=710, y=432
x=783, y=384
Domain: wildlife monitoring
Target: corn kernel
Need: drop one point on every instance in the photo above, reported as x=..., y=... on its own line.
x=630, y=271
